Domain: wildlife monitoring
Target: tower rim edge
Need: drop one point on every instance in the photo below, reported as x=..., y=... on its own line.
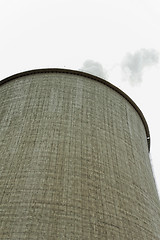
x=88, y=75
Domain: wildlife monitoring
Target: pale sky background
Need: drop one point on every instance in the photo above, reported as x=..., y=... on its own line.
x=65, y=33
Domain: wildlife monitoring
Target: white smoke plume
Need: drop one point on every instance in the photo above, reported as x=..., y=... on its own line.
x=94, y=68
x=133, y=64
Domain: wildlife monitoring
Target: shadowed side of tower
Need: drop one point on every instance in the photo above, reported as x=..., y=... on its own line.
x=74, y=160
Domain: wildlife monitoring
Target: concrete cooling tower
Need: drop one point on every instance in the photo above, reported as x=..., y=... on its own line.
x=74, y=160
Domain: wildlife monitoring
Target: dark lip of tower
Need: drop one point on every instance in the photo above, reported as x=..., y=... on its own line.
x=88, y=75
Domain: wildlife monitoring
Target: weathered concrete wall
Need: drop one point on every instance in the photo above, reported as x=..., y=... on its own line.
x=74, y=162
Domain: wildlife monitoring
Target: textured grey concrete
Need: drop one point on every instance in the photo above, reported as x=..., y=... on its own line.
x=74, y=162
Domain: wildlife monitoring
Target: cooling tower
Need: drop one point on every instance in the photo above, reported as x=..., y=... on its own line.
x=74, y=160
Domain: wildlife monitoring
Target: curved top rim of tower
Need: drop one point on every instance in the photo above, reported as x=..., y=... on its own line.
x=87, y=75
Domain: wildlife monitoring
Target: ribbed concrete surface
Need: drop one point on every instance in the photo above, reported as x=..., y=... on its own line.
x=73, y=162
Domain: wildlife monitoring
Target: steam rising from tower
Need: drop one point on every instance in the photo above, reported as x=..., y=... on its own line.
x=134, y=64
x=94, y=68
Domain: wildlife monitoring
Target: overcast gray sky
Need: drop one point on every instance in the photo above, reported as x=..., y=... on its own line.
x=119, y=37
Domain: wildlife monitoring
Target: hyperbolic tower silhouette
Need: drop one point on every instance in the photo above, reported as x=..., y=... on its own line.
x=74, y=160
